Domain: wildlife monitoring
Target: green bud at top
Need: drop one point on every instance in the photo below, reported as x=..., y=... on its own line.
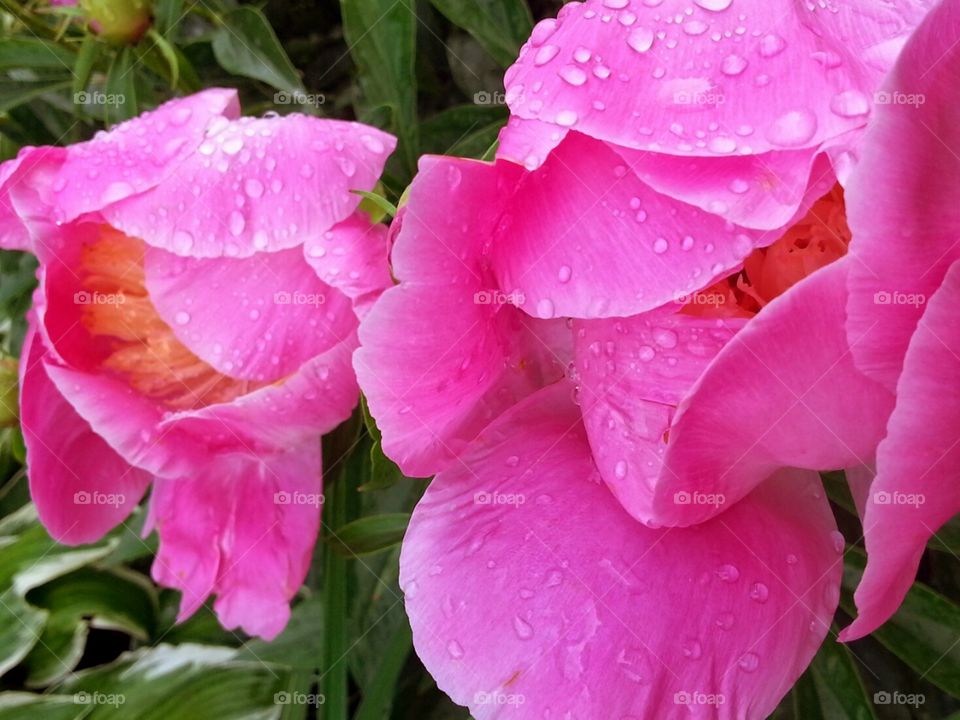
x=122, y=22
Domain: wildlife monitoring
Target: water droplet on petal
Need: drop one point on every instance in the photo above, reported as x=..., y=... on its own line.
x=728, y=573
x=522, y=628
x=640, y=39
x=733, y=65
x=851, y=103
x=182, y=317
x=793, y=128
x=714, y=5
x=566, y=118
x=759, y=592
x=455, y=649
x=749, y=662
x=771, y=45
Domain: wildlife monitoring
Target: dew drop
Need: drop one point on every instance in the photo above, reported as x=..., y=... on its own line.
x=640, y=39
x=523, y=629
x=759, y=592
x=749, y=662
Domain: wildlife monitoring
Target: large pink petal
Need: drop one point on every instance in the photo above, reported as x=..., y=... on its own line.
x=528, y=588
x=351, y=256
x=918, y=463
x=783, y=392
x=257, y=184
x=311, y=402
x=242, y=527
x=906, y=230
x=445, y=352
x=632, y=375
x=713, y=78
x=258, y=317
x=584, y=237
x=81, y=487
x=136, y=155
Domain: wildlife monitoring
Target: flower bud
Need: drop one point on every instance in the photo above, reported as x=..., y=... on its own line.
x=122, y=22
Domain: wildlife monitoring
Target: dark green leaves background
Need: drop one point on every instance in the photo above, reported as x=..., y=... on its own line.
x=83, y=631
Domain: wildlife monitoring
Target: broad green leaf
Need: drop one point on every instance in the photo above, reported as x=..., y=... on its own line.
x=383, y=472
x=34, y=53
x=188, y=682
x=922, y=633
x=27, y=706
x=381, y=35
x=836, y=686
x=370, y=534
x=299, y=646
x=500, y=26
x=247, y=45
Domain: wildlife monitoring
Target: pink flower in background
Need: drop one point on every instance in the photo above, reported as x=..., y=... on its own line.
x=192, y=329
x=888, y=313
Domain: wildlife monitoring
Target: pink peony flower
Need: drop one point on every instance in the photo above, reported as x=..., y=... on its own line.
x=192, y=329
x=574, y=334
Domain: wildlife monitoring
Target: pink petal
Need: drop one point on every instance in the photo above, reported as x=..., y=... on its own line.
x=907, y=233
x=748, y=77
x=915, y=491
x=445, y=352
x=81, y=487
x=25, y=194
x=584, y=237
x=258, y=318
x=783, y=392
x=138, y=154
x=529, y=588
x=351, y=256
x=633, y=373
x=309, y=403
x=242, y=528
x=528, y=142
x=257, y=184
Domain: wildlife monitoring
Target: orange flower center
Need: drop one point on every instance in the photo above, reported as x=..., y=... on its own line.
x=145, y=351
x=818, y=239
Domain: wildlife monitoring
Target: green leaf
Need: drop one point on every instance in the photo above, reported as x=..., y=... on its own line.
x=119, y=97
x=27, y=706
x=246, y=45
x=922, y=633
x=370, y=534
x=378, y=697
x=464, y=130
x=34, y=53
x=381, y=35
x=86, y=59
x=500, y=26
x=167, y=14
x=299, y=646
x=336, y=641
x=832, y=686
x=169, y=54
x=377, y=206
x=190, y=682
x=14, y=93
x=383, y=471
